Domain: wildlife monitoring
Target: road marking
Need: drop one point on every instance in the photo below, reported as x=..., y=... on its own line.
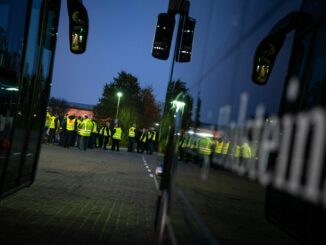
x=150, y=174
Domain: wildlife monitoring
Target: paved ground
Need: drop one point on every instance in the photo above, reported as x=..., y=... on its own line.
x=92, y=197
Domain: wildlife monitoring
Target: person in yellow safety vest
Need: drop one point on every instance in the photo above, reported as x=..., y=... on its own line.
x=143, y=140
x=105, y=133
x=131, y=137
x=205, y=149
x=71, y=125
x=116, y=137
x=76, y=137
x=205, y=146
x=225, y=148
x=151, y=138
x=219, y=146
x=94, y=134
x=85, y=130
x=46, y=131
x=47, y=120
x=245, y=149
x=54, y=125
x=137, y=139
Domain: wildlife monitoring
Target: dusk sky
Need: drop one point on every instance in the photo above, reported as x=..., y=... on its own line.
x=226, y=36
x=120, y=38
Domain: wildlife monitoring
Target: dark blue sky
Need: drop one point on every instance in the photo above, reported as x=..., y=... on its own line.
x=120, y=38
x=226, y=36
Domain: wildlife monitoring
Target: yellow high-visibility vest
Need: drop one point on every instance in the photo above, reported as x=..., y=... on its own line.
x=246, y=151
x=225, y=149
x=131, y=132
x=86, y=127
x=94, y=129
x=143, y=138
x=48, y=119
x=154, y=136
x=105, y=131
x=52, y=122
x=205, y=146
x=71, y=124
x=117, y=134
x=219, y=147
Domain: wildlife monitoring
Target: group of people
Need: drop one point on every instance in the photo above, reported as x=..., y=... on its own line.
x=84, y=133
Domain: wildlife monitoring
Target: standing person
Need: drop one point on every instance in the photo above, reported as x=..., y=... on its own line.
x=71, y=125
x=138, y=141
x=63, y=130
x=116, y=137
x=152, y=137
x=47, y=127
x=106, y=133
x=131, y=137
x=143, y=140
x=85, y=129
x=53, y=129
x=100, y=136
x=76, y=136
x=92, y=138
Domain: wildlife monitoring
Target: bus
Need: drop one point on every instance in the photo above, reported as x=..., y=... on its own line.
x=245, y=156
x=243, y=128
x=28, y=32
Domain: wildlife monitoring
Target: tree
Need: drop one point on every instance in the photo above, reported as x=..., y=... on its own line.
x=58, y=106
x=149, y=109
x=177, y=90
x=137, y=105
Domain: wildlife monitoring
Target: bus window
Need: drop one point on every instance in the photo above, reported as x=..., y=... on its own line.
x=26, y=69
x=12, y=32
x=248, y=167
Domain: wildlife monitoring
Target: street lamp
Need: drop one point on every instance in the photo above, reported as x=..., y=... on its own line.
x=119, y=94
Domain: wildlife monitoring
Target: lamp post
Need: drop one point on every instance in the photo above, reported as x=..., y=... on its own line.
x=119, y=94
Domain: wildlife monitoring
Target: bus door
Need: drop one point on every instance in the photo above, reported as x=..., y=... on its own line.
x=28, y=32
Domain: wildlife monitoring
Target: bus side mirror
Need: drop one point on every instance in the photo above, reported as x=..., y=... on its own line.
x=78, y=26
x=264, y=59
x=185, y=38
x=163, y=36
x=269, y=47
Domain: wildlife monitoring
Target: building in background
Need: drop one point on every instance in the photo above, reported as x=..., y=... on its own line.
x=79, y=109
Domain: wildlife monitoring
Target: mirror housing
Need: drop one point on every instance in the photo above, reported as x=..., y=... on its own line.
x=163, y=36
x=185, y=38
x=78, y=26
x=267, y=50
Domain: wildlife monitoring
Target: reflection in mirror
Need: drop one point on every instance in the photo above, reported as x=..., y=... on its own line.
x=52, y=15
x=163, y=36
x=78, y=26
x=265, y=56
x=185, y=37
x=268, y=49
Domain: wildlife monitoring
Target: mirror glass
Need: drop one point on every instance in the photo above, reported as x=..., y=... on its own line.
x=185, y=37
x=264, y=59
x=78, y=27
x=163, y=36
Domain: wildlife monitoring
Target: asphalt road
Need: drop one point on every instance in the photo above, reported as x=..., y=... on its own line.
x=84, y=197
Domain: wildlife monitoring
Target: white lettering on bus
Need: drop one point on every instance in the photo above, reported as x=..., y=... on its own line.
x=297, y=143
